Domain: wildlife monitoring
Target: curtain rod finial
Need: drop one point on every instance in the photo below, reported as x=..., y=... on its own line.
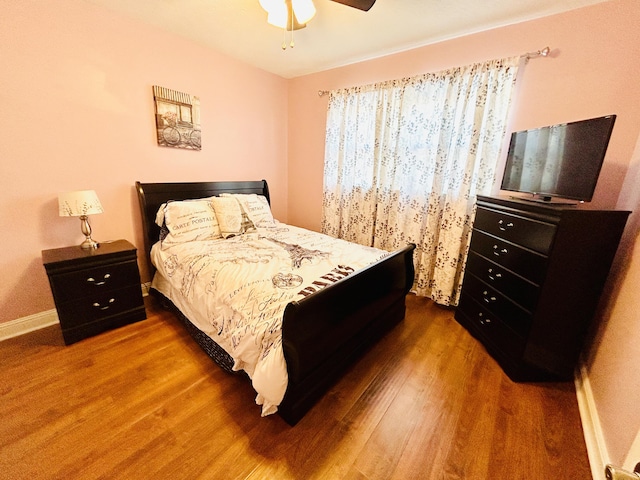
x=540, y=53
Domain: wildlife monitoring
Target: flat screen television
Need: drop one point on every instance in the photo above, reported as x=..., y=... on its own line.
x=559, y=161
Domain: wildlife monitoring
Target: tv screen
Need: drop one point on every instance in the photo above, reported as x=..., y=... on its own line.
x=561, y=160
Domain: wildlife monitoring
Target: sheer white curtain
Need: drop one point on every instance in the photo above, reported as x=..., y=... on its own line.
x=405, y=159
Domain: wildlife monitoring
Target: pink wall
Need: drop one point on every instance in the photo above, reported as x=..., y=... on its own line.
x=613, y=361
x=77, y=113
x=593, y=70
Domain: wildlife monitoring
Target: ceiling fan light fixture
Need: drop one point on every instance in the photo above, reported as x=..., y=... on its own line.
x=269, y=5
x=304, y=10
x=278, y=15
x=288, y=14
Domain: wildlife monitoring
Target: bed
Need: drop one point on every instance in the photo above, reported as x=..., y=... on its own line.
x=321, y=333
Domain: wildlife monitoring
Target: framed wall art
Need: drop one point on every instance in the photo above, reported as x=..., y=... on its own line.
x=177, y=118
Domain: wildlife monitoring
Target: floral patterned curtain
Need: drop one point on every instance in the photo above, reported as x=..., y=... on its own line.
x=405, y=159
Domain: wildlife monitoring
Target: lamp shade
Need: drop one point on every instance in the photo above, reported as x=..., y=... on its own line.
x=79, y=203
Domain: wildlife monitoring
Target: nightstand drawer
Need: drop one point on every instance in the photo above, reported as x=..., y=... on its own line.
x=527, y=232
x=75, y=334
x=90, y=281
x=525, y=263
x=99, y=305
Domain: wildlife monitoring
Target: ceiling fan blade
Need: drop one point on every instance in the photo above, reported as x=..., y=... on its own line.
x=359, y=4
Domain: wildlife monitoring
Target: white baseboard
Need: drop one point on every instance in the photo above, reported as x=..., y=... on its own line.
x=20, y=326
x=596, y=445
x=23, y=325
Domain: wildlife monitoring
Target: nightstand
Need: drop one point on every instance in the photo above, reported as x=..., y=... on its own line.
x=94, y=290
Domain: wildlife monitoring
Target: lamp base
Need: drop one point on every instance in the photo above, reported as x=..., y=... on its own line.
x=89, y=244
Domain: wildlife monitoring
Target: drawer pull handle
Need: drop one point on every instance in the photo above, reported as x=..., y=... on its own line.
x=92, y=280
x=482, y=320
x=105, y=307
x=497, y=252
x=493, y=276
x=504, y=226
x=487, y=298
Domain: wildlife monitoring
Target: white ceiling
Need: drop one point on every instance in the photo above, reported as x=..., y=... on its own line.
x=338, y=35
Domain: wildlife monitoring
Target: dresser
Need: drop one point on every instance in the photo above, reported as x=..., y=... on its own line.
x=94, y=290
x=533, y=280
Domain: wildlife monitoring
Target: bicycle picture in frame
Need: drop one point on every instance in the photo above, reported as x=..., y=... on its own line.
x=177, y=118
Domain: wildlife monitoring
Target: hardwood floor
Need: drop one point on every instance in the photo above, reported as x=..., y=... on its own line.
x=144, y=401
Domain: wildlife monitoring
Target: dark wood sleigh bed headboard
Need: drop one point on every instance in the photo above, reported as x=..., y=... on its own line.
x=152, y=195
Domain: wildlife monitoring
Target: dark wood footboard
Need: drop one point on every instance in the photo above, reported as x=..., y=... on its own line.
x=324, y=333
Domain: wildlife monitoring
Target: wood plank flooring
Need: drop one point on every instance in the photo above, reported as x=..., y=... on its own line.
x=144, y=402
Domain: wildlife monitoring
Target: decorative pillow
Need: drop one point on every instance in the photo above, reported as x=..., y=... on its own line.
x=231, y=218
x=256, y=207
x=187, y=221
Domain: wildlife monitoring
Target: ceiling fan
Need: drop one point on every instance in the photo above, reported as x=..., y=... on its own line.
x=359, y=4
x=294, y=14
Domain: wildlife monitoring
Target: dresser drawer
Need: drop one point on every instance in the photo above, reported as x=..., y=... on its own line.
x=513, y=286
x=99, y=305
x=518, y=319
x=91, y=281
x=525, y=263
x=490, y=328
x=530, y=233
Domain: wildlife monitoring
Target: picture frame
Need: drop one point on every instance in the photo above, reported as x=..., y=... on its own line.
x=177, y=117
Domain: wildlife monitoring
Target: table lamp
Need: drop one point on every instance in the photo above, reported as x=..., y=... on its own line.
x=81, y=204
